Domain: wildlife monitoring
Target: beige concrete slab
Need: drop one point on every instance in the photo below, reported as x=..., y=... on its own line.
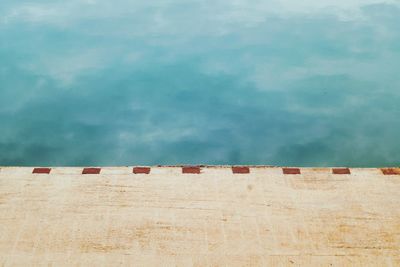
x=215, y=218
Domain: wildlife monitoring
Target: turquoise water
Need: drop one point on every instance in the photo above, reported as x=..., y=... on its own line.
x=96, y=82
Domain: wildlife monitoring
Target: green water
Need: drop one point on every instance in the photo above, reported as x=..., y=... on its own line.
x=315, y=83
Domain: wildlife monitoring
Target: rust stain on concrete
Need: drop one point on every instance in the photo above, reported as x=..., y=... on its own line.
x=240, y=170
x=91, y=171
x=141, y=170
x=291, y=171
x=41, y=170
x=341, y=171
x=391, y=171
x=191, y=169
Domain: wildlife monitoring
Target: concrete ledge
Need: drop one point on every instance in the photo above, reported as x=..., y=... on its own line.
x=211, y=216
x=197, y=169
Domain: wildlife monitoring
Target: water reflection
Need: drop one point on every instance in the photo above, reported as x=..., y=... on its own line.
x=214, y=82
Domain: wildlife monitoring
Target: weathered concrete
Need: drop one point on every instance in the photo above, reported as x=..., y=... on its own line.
x=319, y=217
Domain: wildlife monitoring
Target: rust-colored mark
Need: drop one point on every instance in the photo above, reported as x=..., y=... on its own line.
x=291, y=171
x=141, y=170
x=91, y=170
x=240, y=170
x=391, y=171
x=41, y=170
x=192, y=170
x=341, y=171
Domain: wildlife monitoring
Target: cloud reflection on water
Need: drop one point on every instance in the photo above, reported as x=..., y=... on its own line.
x=175, y=82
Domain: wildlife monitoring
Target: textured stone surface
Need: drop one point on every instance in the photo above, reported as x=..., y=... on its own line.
x=215, y=218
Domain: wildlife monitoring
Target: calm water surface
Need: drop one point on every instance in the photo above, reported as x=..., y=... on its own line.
x=98, y=82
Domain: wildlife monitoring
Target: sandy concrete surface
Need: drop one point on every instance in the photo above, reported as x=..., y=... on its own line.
x=215, y=218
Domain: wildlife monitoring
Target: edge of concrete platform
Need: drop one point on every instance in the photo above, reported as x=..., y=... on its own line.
x=197, y=169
